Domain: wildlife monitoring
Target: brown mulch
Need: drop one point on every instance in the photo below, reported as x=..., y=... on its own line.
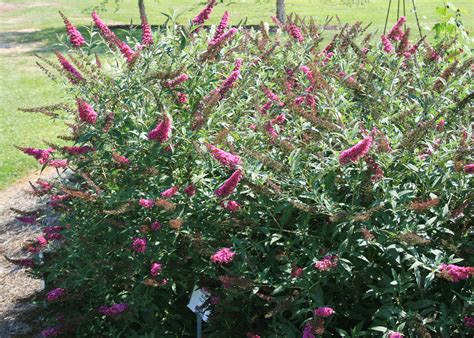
x=16, y=284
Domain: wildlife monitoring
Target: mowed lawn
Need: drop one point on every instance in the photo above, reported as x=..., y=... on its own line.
x=28, y=27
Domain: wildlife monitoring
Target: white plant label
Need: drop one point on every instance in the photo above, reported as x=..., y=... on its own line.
x=197, y=301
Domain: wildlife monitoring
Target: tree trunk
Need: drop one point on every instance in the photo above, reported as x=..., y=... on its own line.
x=141, y=6
x=281, y=10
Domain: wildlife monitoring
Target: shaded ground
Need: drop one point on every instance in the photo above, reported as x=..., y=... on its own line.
x=16, y=284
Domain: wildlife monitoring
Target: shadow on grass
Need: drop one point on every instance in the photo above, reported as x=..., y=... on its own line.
x=31, y=41
x=46, y=40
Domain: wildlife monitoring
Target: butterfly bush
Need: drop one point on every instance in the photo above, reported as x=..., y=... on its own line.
x=280, y=173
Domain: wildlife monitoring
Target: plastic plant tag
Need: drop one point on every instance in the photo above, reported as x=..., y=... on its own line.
x=198, y=303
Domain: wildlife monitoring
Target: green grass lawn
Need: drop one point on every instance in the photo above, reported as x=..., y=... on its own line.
x=28, y=27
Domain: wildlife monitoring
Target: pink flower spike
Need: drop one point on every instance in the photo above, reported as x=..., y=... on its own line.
x=190, y=190
x=395, y=335
x=469, y=168
x=468, y=321
x=454, y=273
x=139, y=245
x=74, y=75
x=145, y=203
x=272, y=96
x=295, y=32
x=204, y=14
x=147, y=34
x=182, y=98
x=120, y=159
x=223, y=256
x=440, y=125
x=86, y=113
x=232, y=206
x=78, y=150
x=112, y=39
x=155, y=269
x=226, y=159
x=328, y=57
x=126, y=51
x=74, y=35
x=396, y=33
x=229, y=185
x=270, y=130
x=296, y=272
x=229, y=82
x=55, y=294
x=308, y=331
x=42, y=155
x=222, y=26
x=162, y=131
x=324, y=312
x=155, y=226
x=356, y=152
x=223, y=38
x=42, y=241
x=177, y=81
x=168, y=193
x=27, y=219
x=58, y=163
x=387, y=45
x=327, y=263
x=114, y=310
x=103, y=29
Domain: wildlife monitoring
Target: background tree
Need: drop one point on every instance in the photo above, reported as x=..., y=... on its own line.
x=280, y=7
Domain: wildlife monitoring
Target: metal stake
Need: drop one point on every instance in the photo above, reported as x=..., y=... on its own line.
x=198, y=325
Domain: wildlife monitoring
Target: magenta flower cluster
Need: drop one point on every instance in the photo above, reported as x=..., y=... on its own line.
x=456, y=273
x=222, y=27
x=223, y=38
x=469, y=321
x=51, y=332
x=324, y=312
x=223, y=256
x=229, y=185
x=177, y=80
x=42, y=155
x=146, y=203
x=190, y=190
x=232, y=206
x=162, y=131
x=225, y=158
x=469, y=168
x=204, y=14
x=78, y=150
x=295, y=32
x=386, y=44
x=112, y=39
x=139, y=245
x=147, y=34
x=229, y=82
x=356, y=152
x=74, y=75
x=168, y=193
x=75, y=37
x=327, y=263
x=86, y=113
x=396, y=33
x=308, y=331
x=395, y=334
x=113, y=310
x=55, y=294
x=155, y=269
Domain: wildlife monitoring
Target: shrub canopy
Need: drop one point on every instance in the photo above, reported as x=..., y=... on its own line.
x=307, y=187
